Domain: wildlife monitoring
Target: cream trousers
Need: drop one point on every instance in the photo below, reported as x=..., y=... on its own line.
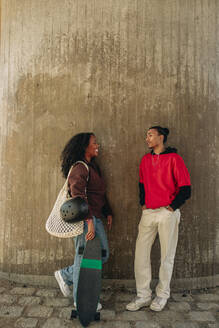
x=165, y=223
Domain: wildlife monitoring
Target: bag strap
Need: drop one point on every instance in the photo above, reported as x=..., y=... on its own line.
x=75, y=164
x=84, y=165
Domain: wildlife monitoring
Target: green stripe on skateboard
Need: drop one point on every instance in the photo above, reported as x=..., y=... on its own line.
x=91, y=264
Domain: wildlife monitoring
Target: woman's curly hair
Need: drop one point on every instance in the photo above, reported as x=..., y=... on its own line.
x=74, y=151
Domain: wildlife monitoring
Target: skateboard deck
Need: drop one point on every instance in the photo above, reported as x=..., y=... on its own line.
x=89, y=283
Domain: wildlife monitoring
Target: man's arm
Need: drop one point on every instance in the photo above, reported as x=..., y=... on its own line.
x=141, y=186
x=181, y=197
x=141, y=194
x=182, y=179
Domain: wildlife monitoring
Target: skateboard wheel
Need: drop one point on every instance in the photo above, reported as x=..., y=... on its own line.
x=74, y=314
x=97, y=316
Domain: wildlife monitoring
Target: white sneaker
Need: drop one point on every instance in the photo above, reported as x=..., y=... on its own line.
x=99, y=306
x=158, y=304
x=138, y=303
x=62, y=285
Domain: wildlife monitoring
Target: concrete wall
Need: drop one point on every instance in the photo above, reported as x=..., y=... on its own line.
x=114, y=67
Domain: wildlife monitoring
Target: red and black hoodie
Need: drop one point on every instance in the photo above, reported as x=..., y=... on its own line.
x=164, y=180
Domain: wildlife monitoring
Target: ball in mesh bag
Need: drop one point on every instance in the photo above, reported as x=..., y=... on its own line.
x=74, y=210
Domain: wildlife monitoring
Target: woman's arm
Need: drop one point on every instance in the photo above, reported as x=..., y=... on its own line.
x=77, y=183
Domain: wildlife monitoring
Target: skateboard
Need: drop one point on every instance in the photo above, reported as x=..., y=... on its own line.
x=89, y=284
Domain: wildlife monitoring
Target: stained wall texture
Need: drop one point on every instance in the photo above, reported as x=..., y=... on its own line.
x=113, y=67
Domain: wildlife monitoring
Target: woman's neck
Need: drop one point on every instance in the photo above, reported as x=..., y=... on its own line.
x=87, y=157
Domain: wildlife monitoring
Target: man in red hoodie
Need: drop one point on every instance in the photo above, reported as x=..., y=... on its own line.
x=164, y=186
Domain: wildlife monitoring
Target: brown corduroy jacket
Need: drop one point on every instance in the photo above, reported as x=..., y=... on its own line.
x=90, y=186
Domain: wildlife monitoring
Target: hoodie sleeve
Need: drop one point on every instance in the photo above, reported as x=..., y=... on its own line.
x=106, y=210
x=180, y=172
x=141, y=194
x=182, y=178
x=141, y=180
x=141, y=185
x=181, y=197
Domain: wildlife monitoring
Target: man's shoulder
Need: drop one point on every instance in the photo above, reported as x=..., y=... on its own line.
x=175, y=155
x=172, y=155
x=146, y=156
x=176, y=159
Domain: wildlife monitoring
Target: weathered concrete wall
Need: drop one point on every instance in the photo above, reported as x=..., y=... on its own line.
x=114, y=67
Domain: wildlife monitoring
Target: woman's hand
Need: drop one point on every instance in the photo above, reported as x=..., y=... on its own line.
x=91, y=231
x=109, y=221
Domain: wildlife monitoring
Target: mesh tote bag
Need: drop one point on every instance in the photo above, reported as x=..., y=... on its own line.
x=55, y=225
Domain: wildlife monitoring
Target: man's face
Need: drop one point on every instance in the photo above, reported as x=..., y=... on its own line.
x=153, y=139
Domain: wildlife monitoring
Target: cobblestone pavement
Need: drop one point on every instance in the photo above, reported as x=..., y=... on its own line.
x=24, y=306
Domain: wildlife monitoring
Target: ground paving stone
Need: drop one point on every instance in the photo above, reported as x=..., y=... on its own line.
x=107, y=315
x=23, y=291
x=29, y=300
x=57, y=302
x=10, y=311
x=104, y=314
x=39, y=311
x=168, y=316
x=106, y=295
x=201, y=316
x=95, y=324
x=148, y=324
x=133, y=316
x=2, y=289
x=213, y=325
x=124, y=297
x=182, y=297
x=207, y=297
x=26, y=323
x=216, y=315
x=120, y=307
x=47, y=292
x=8, y=299
x=115, y=324
x=7, y=322
x=208, y=306
x=60, y=323
x=65, y=313
x=185, y=324
x=196, y=310
x=179, y=306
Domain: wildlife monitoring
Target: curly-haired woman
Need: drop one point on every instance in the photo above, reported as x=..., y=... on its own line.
x=90, y=186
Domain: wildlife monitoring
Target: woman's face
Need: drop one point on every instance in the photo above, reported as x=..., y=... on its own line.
x=93, y=147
